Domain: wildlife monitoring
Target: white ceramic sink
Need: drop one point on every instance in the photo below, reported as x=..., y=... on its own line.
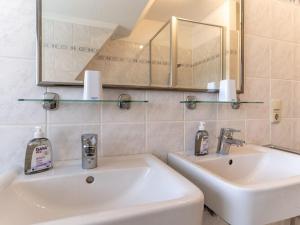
x=131, y=190
x=252, y=185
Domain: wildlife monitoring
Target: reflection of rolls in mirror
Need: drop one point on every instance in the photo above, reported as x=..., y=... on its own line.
x=92, y=85
x=212, y=86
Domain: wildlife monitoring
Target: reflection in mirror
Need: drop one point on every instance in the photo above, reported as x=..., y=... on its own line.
x=73, y=31
x=136, y=44
x=195, y=52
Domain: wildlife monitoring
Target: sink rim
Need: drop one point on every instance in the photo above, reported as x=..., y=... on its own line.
x=235, y=153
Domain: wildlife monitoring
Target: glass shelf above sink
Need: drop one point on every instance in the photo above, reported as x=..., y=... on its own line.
x=80, y=100
x=191, y=102
x=51, y=101
x=222, y=102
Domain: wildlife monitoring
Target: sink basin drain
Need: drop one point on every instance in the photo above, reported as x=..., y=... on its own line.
x=90, y=179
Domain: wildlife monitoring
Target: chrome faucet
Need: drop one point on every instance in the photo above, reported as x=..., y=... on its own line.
x=226, y=140
x=89, y=151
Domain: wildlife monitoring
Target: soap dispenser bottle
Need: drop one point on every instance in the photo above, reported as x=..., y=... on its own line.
x=201, y=140
x=38, y=156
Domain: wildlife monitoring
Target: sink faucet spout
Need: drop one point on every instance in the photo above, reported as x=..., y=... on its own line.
x=226, y=140
x=89, y=151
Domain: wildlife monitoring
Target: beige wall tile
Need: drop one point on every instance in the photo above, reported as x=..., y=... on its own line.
x=257, y=89
x=257, y=56
x=164, y=137
x=296, y=100
x=282, y=20
x=296, y=137
x=17, y=27
x=165, y=106
x=225, y=112
x=297, y=61
x=297, y=23
x=282, y=60
x=283, y=90
x=123, y=139
x=258, y=132
x=258, y=17
x=18, y=81
x=282, y=134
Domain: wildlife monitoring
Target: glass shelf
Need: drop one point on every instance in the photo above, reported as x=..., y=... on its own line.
x=51, y=101
x=80, y=100
x=221, y=102
x=191, y=102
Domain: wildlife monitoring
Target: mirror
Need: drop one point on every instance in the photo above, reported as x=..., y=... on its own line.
x=187, y=45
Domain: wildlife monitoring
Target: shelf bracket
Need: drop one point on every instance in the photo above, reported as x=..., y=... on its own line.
x=124, y=101
x=191, y=104
x=236, y=105
x=51, y=101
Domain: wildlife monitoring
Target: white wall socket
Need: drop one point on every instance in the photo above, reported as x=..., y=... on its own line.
x=276, y=110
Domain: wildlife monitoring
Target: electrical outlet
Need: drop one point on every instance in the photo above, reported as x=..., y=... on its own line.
x=276, y=111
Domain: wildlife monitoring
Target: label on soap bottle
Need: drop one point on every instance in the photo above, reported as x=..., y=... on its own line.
x=204, y=146
x=41, y=158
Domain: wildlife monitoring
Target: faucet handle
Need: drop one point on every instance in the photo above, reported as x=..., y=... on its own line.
x=89, y=143
x=89, y=139
x=232, y=130
x=228, y=131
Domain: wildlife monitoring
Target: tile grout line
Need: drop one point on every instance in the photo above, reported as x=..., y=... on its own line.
x=146, y=93
x=270, y=94
x=184, y=123
x=101, y=131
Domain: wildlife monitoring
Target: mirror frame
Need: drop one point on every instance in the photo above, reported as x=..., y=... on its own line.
x=39, y=73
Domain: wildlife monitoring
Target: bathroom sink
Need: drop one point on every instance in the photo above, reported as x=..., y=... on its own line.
x=129, y=190
x=253, y=185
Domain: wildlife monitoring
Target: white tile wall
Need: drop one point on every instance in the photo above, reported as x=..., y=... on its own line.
x=272, y=70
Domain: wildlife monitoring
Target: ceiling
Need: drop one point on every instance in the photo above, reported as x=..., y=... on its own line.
x=137, y=20
x=124, y=13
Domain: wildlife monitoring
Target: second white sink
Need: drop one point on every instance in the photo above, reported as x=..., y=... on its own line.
x=129, y=190
x=252, y=185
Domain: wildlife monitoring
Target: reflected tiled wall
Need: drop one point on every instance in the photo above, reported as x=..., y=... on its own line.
x=127, y=63
x=119, y=59
x=272, y=50
x=68, y=47
x=207, y=63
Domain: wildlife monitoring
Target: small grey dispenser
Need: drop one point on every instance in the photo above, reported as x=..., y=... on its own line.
x=89, y=151
x=201, y=140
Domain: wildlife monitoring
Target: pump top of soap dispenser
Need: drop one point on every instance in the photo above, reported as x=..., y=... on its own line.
x=38, y=133
x=202, y=125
